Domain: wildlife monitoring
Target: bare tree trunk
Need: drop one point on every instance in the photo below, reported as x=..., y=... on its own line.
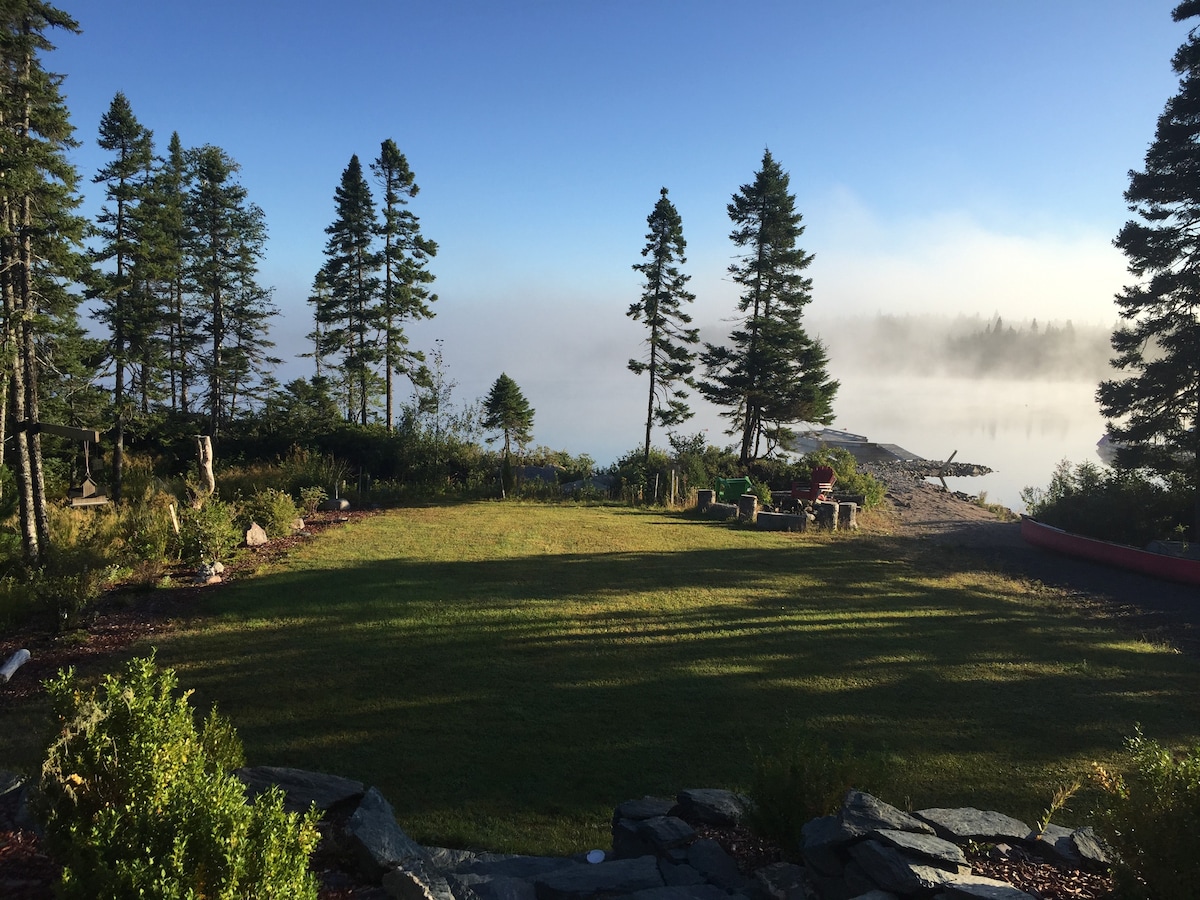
x=208, y=480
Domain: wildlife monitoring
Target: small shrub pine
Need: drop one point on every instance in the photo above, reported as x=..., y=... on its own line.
x=1150, y=815
x=138, y=802
x=273, y=509
x=207, y=534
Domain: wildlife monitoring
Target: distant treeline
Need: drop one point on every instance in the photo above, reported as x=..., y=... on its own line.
x=972, y=346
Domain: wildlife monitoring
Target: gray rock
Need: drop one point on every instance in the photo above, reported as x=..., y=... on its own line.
x=967, y=824
x=823, y=841
x=377, y=842
x=627, y=841
x=665, y=832
x=677, y=875
x=709, y=858
x=933, y=849
x=580, y=881
x=9, y=782
x=301, y=789
x=975, y=887
x=255, y=535
x=891, y=870
x=335, y=504
x=877, y=895
x=493, y=887
x=1056, y=843
x=721, y=511
x=863, y=814
x=495, y=865
x=681, y=892
x=712, y=807
x=646, y=808
x=781, y=881
x=1091, y=849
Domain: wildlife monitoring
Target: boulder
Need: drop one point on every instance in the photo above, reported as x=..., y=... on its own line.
x=581, y=881
x=710, y=806
x=863, y=814
x=255, y=535
x=967, y=824
x=335, y=504
x=378, y=843
x=301, y=789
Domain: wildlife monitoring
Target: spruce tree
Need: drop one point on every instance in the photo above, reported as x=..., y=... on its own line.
x=506, y=410
x=351, y=315
x=670, y=359
x=774, y=374
x=130, y=144
x=405, y=256
x=40, y=239
x=1154, y=410
x=226, y=234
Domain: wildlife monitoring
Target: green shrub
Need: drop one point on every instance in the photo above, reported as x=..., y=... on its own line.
x=1127, y=506
x=274, y=510
x=310, y=498
x=207, y=534
x=1150, y=815
x=137, y=802
x=799, y=777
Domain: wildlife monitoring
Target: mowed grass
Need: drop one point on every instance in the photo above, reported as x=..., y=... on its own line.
x=507, y=673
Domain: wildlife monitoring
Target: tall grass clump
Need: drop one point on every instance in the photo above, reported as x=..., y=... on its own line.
x=797, y=777
x=1150, y=815
x=137, y=801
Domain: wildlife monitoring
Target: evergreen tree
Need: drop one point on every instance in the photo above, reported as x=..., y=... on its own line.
x=40, y=239
x=670, y=359
x=405, y=257
x=123, y=177
x=351, y=316
x=774, y=374
x=226, y=234
x=506, y=410
x=1154, y=410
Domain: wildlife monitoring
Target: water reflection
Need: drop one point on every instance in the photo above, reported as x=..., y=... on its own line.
x=1020, y=429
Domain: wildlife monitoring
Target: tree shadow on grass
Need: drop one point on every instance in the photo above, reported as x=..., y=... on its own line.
x=575, y=681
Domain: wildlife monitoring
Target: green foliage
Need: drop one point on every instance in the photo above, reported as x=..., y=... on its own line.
x=272, y=509
x=1150, y=815
x=137, y=802
x=799, y=777
x=507, y=411
x=311, y=498
x=1126, y=506
x=207, y=534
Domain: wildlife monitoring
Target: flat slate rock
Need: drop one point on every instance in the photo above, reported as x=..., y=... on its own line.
x=711, y=806
x=621, y=876
x=666, y=832
x=646, y=808
x=891, y=870
x=862, y=814
x=301, y=788
x=967, y=824
x=1057, y=843
x=710, y=859
x=934, y=849
x=975, y=887
x=1091, y=848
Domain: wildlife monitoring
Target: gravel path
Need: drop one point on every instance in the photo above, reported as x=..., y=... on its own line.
x=1160, y=611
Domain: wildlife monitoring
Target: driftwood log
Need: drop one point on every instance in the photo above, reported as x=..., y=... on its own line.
x=14, y=662
x=208, y=482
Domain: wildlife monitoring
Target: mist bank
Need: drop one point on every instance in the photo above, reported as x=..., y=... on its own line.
x=968, y=346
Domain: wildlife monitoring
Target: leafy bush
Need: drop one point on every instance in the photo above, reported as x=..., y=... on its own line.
x=1150, y=815
x=207, y=534
x=800, y=777
x=137, y=802
x=1123, y=505
x=274, y=510
x=310, y=498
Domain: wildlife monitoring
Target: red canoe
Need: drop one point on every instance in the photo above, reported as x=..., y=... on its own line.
x=1158, y=565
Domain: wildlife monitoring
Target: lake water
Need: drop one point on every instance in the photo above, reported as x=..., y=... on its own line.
x=1021, y=429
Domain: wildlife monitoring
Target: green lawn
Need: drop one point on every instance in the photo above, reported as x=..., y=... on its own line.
x=507, y=673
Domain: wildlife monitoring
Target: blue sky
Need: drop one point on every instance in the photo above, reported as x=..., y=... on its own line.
x=948, y=156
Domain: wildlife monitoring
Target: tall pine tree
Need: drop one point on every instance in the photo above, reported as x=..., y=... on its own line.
x=670, y=359
x=40, y=238
x=130, y=144
x=774, y=374
x=405, y=256
x=351, y=315
x=226, y=235
x=1154, y=410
